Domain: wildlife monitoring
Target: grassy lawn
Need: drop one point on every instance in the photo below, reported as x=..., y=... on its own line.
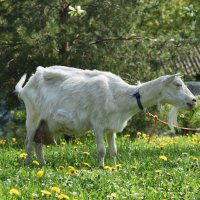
x=167, y=168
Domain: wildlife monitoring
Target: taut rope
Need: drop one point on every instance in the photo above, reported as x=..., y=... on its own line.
x=156, y=119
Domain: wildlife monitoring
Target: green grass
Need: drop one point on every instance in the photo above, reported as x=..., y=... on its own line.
x=135, y=176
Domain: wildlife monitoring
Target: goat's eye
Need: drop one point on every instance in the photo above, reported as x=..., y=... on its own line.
x=178, y=85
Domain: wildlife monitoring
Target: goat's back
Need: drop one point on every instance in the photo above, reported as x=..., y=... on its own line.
x=74, y=98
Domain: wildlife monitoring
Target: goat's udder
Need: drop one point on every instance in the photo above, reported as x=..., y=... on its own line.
x=43, y=134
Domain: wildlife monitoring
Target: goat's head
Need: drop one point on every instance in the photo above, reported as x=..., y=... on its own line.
x=176, y=93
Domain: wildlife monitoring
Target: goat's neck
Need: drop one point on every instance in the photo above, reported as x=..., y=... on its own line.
x=151, y=93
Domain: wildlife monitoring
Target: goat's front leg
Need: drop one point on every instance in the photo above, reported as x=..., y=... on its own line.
x=100, y=147
x=112, y=147
x=40, y=153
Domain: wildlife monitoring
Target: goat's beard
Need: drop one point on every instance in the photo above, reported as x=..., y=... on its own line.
x=172, y=118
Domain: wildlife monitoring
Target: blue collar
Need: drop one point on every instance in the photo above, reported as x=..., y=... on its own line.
x=138, y=96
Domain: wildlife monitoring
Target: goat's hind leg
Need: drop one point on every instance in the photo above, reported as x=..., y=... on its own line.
x=42, y=136
x=31, y=129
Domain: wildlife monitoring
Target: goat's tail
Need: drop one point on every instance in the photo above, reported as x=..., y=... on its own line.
x=18, y=87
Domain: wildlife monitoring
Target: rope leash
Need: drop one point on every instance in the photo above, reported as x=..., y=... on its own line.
x=156, y=119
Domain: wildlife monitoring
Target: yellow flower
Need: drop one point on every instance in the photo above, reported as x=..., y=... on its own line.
x=118, y=166
x=78, y=142
x=71, y=170
x=40, y=173
x=134, y=167
x=35, y=162
x=15, y=191
x=139, y=133
x=114, y=196
x=86, y=164
x=158, y=171
x=127, y=136
x=14, y=140
x=60, y=167
x=46, y=192
x=163, y=158
x=108, y=168
x=2, y=142
x=161, y=146
x=144, y=135
x=194, y=158
x=23, y=155
x=63, y=196
x=55, y=189
x=86, y=153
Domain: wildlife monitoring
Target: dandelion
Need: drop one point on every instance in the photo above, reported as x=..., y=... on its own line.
x=168, y=174
x=114, y=195
x=158, y=171
x=36, y=163
x=161, y=147
x=40, y=173
x=86, y=164
x=144, y=135
x=15, y=191
x=61, y=167
x=127, y=136
x=71, y=170
x=2, y=142
x=163, y=158
x=23, y=155
x=193, y=158
x=108, y=168
x=118, y=166
x=86, y=153
x=45, y=192
x=79, y=142
x=63, y=196
x=139, y=133
x=55, y=189
x=134, y=167
x=14, y=140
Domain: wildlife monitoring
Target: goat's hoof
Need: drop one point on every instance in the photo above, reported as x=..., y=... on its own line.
x=27, y=161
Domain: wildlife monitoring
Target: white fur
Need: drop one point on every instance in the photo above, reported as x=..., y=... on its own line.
x=78, y=100
x=172, y=118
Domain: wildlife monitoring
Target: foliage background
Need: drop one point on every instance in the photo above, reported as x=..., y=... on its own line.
x=136, y=39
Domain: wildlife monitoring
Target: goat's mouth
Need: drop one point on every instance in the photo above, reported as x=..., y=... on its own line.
x=190, y=106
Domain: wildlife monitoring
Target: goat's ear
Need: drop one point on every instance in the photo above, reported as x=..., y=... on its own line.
x=169, y=78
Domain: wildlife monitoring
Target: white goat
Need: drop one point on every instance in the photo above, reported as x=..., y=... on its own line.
x=76, y=100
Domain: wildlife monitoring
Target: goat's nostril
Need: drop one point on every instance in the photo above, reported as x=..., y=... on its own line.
x=194, y=100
